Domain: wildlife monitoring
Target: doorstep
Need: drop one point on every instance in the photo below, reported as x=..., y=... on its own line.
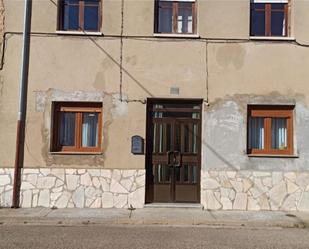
x=174, y=205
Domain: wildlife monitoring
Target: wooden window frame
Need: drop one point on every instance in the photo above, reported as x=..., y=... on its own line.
x=269, y=112
x=175, y=16
x=268, y=12
x=79, y=108
x=81, y=26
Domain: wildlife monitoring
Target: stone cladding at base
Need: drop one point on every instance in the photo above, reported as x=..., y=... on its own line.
x=75, y=188
x=255, y=190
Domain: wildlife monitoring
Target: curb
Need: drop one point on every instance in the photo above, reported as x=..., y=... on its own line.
x=45, y=221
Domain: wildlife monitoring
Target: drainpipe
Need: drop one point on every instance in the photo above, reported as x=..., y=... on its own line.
x=23, y=89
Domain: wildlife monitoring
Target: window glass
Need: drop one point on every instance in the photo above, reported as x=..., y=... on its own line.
x=185, y=20
x=270, y=130
x=71, y=17
x=256, y=133
x=77, y=126
x=165, y=22
x=268, y=19
x=277, y=23
x=67, y=129
x=91, y=18
x=71, y=1
x=80, y=15
x=175, y=17
x=277, y=6
x=279, y=133
x=90, y=130
x=258, y=20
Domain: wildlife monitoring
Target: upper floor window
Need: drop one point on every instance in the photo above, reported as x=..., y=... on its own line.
x=178, y=17
x=269, y=18
x=270, y=130
x=79, y=15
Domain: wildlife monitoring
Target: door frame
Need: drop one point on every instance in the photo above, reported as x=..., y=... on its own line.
x=149, y=191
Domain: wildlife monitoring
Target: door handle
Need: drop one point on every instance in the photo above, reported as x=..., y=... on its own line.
x=170, y=158
x=177, y=159
x=174, y=158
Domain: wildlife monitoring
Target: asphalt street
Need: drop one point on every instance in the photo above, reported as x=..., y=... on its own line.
x=149, y=237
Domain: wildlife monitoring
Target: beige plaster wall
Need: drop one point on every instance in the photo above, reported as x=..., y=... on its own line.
x=224, y=19
x=151, y=66
x=55, y=65
x=301, y=21
x=258, y=68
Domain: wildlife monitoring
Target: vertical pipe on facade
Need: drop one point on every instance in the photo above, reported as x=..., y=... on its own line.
x=23, y=89
x=207, y=73
x=121, y=51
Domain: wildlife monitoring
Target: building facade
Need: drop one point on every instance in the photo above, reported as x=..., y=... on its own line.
x=135, y=102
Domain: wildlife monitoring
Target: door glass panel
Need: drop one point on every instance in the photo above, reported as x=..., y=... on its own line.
x=186, y=138
x=194, y=138
x=177, y=146
x=177, y=174
x=185, y=173
x=196, y=115
x=168, y=137
x=162, y=173
x=194, y=174
x=154, y=138
x=160, y=138
x=167, y=177
x=169, y=114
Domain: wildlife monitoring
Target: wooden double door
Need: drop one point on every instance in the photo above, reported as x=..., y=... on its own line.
x=173, y=155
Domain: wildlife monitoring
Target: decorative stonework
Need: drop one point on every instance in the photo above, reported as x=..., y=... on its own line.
x=254, y=190
x=81, y=188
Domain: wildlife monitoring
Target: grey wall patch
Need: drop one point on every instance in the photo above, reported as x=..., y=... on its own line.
x=120, y=108
x=40, y=100
x=93, y=96
x=225, y=139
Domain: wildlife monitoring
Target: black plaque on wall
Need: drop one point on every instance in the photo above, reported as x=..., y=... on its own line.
x=137, y=145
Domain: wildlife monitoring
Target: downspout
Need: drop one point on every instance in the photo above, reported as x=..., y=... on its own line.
x=23, y=89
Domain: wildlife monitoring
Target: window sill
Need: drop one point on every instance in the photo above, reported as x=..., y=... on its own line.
x=83, y=33
x=176, y=35
x=75, y=153
x=271, y=38
x=273, y=156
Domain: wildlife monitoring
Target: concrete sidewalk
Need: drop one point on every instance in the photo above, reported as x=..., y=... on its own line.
x=154, y=216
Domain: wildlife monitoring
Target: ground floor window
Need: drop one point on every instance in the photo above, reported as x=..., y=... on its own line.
x=270, y=129
x=77, y=127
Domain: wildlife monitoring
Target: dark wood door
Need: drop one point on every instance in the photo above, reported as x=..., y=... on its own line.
x=173, y=151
